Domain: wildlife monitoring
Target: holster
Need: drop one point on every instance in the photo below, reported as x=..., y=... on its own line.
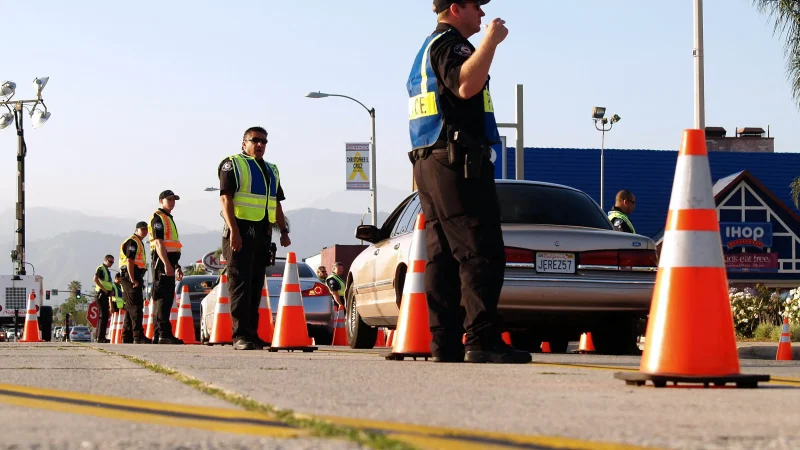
x=462, y=147
x=273, y=250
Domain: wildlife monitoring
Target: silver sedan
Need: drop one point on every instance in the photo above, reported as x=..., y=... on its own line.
x=567, y=271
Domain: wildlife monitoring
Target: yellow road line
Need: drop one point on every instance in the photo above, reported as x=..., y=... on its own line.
x=250, y=423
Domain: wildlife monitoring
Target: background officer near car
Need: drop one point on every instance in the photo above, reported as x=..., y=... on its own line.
x=251, y=196
x=623, y=207
x=132, y=266
x=117, y=302
x=104, y=286
x=452, y=125
x=165, y=253
x=322, y=273
x=336, y=284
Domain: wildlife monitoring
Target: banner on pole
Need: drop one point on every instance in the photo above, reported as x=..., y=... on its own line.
x=357, y=165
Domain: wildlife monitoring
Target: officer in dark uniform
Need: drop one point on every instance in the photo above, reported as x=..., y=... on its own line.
x=132, y=266
x=623, y=207
x=251, y=196
x=452, y=125
x=165, y=253
x=336, y=284
x=105, y=291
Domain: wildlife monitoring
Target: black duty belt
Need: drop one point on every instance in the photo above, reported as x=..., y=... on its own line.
x=422, y=153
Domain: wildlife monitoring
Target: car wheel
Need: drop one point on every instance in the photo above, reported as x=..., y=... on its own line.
x=617, y=336
x=359, y=334
x=203, y=336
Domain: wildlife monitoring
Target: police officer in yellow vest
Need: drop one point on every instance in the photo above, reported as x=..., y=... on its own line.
x=451, y=126
x=623, y=207
x=251, y=196
x=165, y=253
x=104, y=286
x=117, y=301
x=336, y=285
x=132, y=266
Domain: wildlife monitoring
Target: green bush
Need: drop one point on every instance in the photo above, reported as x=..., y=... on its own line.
x=764, y=331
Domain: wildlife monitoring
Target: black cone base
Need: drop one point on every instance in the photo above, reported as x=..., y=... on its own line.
x=744, y=381
x=291, y=349
x=393, y=356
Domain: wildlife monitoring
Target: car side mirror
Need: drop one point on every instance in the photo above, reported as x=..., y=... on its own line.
x=369, y=233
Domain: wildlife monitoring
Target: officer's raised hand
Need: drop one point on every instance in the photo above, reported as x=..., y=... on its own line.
x=496, y=31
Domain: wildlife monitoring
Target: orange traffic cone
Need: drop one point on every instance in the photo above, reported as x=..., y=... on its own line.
x=108, y=327
x=413, y=337
x=339, y=333
x=222, y=329
x=390, y=338
x=173, y=314
x=291, y=332
x=150, y=330
x=380, y=338
x=785, y=344
x=266, y=328
x=112, y=329
x=31, y=331
x=690, y=299
x=146, y=315
x=545, y=347
x=506, y=337
x=586, y=345
x=184, y=330
x=120, y=326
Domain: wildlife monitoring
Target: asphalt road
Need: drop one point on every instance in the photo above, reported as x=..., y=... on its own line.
x=118, y=396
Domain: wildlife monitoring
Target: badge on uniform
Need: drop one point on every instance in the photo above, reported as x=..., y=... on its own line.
x=227, y=166
x=157, y=226
x=463, y=50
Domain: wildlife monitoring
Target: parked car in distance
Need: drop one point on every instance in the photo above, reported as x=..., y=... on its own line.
x=567, y=271
x=80, y=334
x=317, y=302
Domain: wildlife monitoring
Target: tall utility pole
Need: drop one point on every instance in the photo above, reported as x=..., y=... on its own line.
x=20, y=209
x=699, y=89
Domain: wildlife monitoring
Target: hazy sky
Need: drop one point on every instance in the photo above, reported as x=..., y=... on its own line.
x=151, y=95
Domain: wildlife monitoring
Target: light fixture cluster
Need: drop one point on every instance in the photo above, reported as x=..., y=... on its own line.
x=39, y=115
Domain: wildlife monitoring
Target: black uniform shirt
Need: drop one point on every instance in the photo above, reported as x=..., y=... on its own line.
x=228, y=185
x=333, y=285
x=448, y=55
x=620, y=224
x=103, y=274
x=131, y=247
x=157, y=225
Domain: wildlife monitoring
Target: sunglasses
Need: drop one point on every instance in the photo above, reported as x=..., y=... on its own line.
x=258, y=141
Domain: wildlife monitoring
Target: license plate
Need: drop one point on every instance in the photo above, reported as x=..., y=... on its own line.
x=555, y=262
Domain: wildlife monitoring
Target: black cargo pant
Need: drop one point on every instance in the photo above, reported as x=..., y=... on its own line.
x=163, y=297
x=134, y=304
x=465, y=253
x=103, y=304
x=246, y=270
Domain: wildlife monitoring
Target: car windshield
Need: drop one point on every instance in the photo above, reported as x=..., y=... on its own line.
x=548, y=205
x=303, y=270
x=80, y=329
x=198, y=284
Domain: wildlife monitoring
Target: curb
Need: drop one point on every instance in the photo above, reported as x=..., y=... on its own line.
x=766, y=351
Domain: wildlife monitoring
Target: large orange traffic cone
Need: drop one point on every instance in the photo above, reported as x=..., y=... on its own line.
x=586, y=345
x=112, y=330
x=173, y=314
x=222, y=330
x=413, y=336
x=290, y=327
x=150, y=331
x=31, y=331
x=146, y=315
x=339, y=333
x=690, y=299
x=266, y=327
x=785, y=344
x=184, y=330
x=120, y=332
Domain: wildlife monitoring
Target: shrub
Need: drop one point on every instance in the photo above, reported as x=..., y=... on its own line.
x=758, y=312
x=764, y=331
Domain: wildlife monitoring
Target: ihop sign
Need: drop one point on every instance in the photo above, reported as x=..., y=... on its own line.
x=746, y=234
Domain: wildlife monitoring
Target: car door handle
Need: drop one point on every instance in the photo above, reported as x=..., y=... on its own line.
x=396, y=246
x=376, y=251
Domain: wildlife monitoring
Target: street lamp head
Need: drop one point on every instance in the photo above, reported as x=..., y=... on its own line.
x=211, y=189
x=39, y=117
x=598, y=112
x=316, y=95
x=615, y=118
x=5, y=120
x=7, y=89
x=39, y=84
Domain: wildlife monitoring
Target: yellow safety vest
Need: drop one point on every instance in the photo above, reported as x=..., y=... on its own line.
x=139, y=260
x=105, y=281
x=614, y=214
x=341, y=283
x=118, y=296
x=171, y=240
x=253, y=196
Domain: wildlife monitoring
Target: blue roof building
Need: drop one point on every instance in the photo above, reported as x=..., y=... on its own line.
x=764, y=201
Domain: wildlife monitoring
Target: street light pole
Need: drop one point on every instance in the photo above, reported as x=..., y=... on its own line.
x=373, y=183
x=598, y=114
x=699, y=75
x=20, y=210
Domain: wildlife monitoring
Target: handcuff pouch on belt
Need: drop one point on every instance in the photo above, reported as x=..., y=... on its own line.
x=462, y=147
